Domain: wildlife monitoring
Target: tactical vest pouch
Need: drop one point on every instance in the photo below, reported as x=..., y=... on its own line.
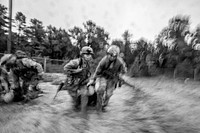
x=108, y=75
x=75, y=81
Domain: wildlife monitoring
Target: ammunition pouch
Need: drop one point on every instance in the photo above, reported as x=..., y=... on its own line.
x=76, y=80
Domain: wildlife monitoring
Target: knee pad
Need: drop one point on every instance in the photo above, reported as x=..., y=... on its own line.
x=100, y=90
x=90, y=90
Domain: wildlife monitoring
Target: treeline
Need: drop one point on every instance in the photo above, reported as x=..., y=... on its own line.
x=175, y=47
x=56, y=43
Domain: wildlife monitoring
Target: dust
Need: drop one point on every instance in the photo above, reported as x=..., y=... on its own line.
x=155, y=105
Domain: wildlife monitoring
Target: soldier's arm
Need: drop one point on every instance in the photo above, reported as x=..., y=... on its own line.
x=71, y=65
x=30, y=63
x=123, y=68
x=99, y=68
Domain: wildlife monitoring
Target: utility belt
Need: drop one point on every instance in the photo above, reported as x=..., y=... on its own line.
x=113, y=76
x=109, y=75
x=25, y=74
x=74, y=80
x=70, y=81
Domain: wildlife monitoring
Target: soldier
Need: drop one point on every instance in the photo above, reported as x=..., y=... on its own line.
x=6, y=94
x=78, y=73
x=23, y=68
x=107, y=72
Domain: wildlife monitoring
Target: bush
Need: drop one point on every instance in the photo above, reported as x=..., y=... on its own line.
x=138, y=68
x=184, y=69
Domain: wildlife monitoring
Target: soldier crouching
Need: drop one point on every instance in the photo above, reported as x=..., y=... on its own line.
x=24, y=69
x=78, y=74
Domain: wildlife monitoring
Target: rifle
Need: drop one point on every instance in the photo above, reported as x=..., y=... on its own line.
x=125, y=81
x=118, y=77
x=82, y=76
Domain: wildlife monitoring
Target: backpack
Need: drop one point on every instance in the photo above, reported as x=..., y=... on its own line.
x=79, y=78
x=23, y=71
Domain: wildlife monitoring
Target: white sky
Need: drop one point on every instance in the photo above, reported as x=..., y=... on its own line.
x=143, y=18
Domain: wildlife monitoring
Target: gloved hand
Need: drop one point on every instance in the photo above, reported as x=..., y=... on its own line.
x=76, y=70
x=121, y=75
x=14, y=86
x=91, y=81
x=41, y=75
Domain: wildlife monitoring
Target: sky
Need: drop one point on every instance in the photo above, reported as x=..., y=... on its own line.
x=143, y=18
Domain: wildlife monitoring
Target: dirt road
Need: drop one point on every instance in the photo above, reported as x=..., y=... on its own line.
x=156, y=105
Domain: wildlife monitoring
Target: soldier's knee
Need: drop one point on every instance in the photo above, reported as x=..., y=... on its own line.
x=91, y=90
x=101, y=90
x=83, y=91
x=109, y=93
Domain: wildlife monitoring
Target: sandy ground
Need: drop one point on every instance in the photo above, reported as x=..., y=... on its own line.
x=155, y=105
x=175, y=102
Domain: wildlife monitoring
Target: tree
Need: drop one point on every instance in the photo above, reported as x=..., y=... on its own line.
x=58, y=44
x=92, y=35
x=129, y=57
x=179, y=24
x=3, y=19
x=119, y=43
x=197, y=30
x=78, y=36
x=97, y=37
x=35, y=34
x=20, y=22
x=3, y=28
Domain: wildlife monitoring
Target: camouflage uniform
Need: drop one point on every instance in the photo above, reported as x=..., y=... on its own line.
x=25, y=69
x=28, y=71
x=76, y=83
x=4, y=81
x=106, y=75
